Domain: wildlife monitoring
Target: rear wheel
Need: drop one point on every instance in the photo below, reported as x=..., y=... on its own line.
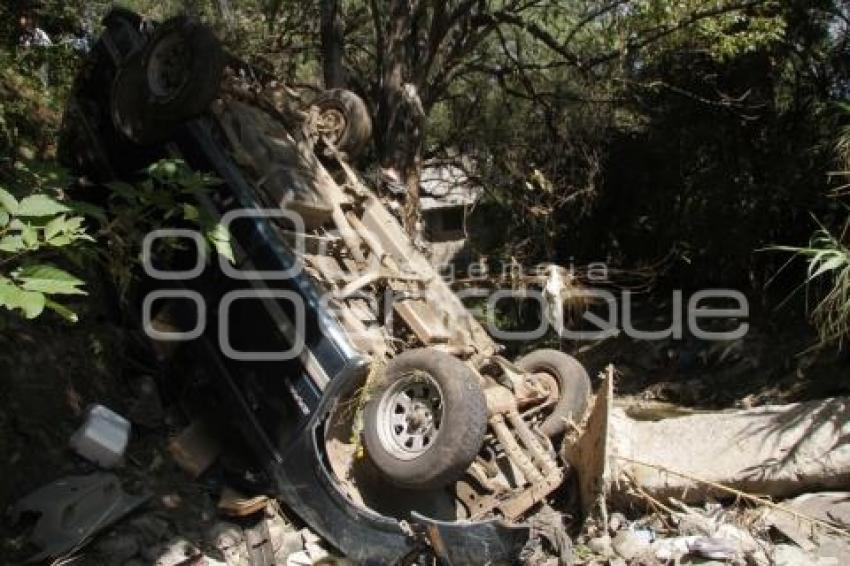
x=573, y=384
x=425, y=424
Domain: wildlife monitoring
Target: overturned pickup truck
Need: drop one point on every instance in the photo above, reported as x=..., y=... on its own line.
x=381, y=409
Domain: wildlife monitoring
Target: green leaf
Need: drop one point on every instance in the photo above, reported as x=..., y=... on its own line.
x=219, y=237
x=4, y=218
x=11, y=244
x=61, y=310
x=13, y=297
x=30, y=236
x=54, y=227
x=165, y=169
x=58, y=232
x=74, y=224
x=224, y=249
x=8, y=202
x=190, y=212
x=829, y=265
x=40, y=205
x=60, y=241
x=48, y=279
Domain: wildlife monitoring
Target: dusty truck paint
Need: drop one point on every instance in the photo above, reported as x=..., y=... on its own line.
x=288, y=409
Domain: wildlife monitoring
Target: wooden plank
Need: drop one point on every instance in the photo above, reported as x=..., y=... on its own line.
x=422, y=320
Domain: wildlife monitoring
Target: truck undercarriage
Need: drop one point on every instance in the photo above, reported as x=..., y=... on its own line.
x=408, y=429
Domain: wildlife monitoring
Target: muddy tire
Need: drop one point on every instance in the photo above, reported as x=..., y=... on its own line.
x=573, y=382
x=183, y=64
x=346, y=119
x=425, y=424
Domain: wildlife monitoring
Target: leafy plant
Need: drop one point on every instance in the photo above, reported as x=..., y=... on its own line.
x=28, y=226
x=169, y=194
x=828, y=261
x=828, y=258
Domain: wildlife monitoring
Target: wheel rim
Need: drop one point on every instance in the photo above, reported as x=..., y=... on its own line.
x=168, y=66
x=549, y=383
x=409, y=415
x=332, y=124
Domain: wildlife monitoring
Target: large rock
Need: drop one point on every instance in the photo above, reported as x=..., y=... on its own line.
x=781, y=450
x=630, y=544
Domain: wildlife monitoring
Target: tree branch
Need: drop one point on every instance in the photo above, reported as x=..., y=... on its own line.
x=666, y=31
x=591, y=16
x=380, y=42
x=538, y=33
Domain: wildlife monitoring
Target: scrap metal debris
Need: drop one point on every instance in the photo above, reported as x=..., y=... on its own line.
x=73, y=509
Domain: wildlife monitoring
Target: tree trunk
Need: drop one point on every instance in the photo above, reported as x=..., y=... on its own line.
x=411, y=203
x=401, y=117
x=225, y=11
x=332, y=44
x=404, y=136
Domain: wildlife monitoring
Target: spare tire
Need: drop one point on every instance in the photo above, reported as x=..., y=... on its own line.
x=573, y=382
x=183, y=64
x=426, y=422
x=344, y=120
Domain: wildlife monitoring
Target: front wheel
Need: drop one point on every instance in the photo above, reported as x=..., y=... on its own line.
x=183, y=64
x=425, y=424
x=344, y=120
